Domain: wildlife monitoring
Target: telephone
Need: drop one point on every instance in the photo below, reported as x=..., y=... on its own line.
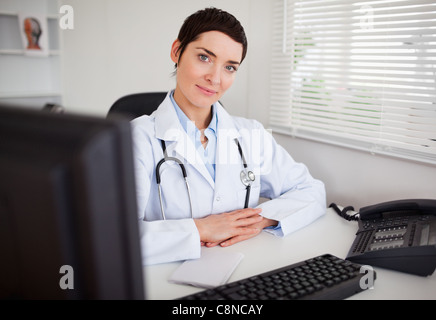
x=398, y=235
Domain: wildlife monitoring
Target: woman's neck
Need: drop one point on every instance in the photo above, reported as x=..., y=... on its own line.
x=199, y=115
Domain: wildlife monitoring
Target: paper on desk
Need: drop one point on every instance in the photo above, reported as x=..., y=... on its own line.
x=213, y=269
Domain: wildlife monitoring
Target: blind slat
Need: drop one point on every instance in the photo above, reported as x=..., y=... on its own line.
x=355, y=102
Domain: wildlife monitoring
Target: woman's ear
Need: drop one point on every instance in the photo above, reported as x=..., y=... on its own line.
x=175, y=51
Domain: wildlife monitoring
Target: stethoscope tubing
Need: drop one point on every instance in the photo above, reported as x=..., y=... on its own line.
x=247, y=196
x=158, y=181
x=246, y=177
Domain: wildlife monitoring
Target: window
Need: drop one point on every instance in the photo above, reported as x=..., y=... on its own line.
x=361, y=74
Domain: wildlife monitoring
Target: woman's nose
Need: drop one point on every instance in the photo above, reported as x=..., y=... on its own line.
x=214, y=76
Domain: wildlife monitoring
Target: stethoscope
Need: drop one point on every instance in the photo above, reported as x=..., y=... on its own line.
x=247, y=177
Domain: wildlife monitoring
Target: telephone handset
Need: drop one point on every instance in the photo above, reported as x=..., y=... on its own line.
x=398, y=235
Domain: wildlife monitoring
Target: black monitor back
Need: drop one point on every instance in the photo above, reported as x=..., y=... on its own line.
x=68, y=220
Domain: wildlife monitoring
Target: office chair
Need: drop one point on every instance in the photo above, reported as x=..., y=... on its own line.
x=137, y=104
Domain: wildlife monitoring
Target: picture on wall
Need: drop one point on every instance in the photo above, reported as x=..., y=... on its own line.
x=34, y=34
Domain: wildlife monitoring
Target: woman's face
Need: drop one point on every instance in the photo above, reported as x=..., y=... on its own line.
x=206, y=69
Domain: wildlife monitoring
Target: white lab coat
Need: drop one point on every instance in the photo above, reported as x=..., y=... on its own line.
x=298, y=198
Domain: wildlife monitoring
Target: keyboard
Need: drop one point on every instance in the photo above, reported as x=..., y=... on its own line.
x=324, y=277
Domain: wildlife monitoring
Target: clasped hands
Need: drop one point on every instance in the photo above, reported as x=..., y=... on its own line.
x=228, y=228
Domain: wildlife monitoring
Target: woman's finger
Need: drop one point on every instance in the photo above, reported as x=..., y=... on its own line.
x=245, y=213
x=232, y=241
x=245, y=222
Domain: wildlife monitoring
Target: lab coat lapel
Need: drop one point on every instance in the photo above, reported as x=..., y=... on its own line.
x=227, y=150
x=185, y=149
x=169, y=129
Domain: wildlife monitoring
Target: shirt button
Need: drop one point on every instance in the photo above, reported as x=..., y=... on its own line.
x=218, y=198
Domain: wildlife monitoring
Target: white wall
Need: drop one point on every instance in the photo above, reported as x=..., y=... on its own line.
x=119, y=47
x=351, y=177
x=359, y=178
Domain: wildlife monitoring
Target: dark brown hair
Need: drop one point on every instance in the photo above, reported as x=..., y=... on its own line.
x=211, y=19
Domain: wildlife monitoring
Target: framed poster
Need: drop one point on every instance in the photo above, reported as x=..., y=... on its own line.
x=34, y=34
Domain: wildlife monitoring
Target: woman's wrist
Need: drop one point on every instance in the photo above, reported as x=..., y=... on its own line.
x=269, y=223
x=199, y=225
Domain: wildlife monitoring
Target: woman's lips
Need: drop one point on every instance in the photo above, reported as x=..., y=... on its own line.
x=206, y=91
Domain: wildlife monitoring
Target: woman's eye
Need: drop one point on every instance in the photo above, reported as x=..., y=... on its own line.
x=204, y=58
x=231, y=68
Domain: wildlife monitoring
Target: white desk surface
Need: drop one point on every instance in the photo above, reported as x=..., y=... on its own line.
x=329, y=234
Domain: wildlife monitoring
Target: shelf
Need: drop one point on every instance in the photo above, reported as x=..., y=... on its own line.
x=22, y=52
x=10, y=13
x=27, y=76
x=13, y=95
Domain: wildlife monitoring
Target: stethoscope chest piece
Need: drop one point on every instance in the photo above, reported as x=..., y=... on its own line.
x=247, y=177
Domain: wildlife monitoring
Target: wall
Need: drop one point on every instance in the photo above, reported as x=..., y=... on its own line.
x=359, y=178
x=351, y=177
x=119, y=47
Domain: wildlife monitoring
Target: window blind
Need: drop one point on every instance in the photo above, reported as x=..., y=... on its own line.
x=361, y=74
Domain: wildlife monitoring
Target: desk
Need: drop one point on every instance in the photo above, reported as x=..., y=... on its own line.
x=329, y=234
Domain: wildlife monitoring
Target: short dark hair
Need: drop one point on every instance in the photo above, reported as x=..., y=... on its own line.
x=211, y=19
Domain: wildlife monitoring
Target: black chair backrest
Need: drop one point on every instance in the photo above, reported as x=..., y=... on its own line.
x=137, y=104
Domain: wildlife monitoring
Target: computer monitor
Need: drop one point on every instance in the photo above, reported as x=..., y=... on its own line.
x=68, y=220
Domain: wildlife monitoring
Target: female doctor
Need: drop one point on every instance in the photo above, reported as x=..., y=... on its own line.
x=200, y=171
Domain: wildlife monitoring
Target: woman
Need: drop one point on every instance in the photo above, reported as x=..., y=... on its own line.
x=229, y=161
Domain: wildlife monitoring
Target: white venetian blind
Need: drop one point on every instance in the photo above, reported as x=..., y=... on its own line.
x=357, y=73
